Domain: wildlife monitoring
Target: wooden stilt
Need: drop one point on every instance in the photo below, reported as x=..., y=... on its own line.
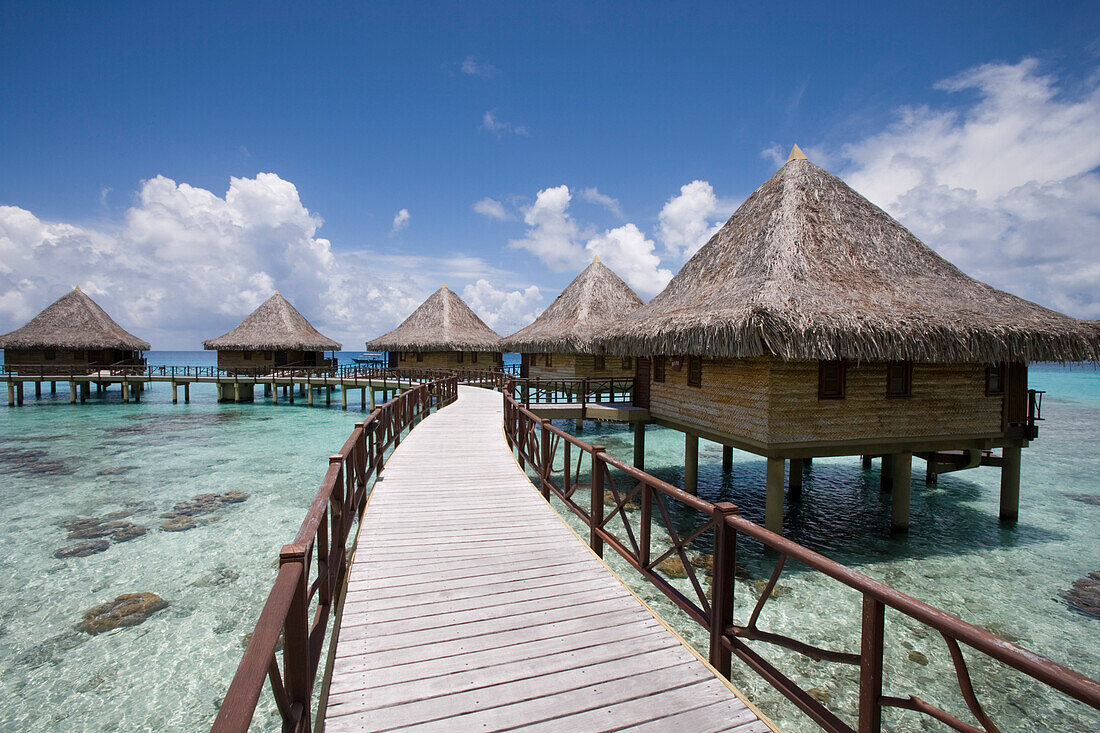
x=886, y=475
x=11, y=394
x=372, y=398
x=794, y=477
x=309, y=394
x=125, y=391
x=343, y=398
x=363, y=399
x=136, y=388
x=727, y=458
x=328, y=396
x=866, y=460
x=72, y=393
x=85, y=391
x=1010, y=484
x=580, y=425
x=639, y=446
x=901, y=475
x=691, y=463
x=274, y=393
x=292, y=393
x=53, y=387
x=773, y=511
x=236, y=391
x=38, y=390
x=175, y=393
x=186, y=392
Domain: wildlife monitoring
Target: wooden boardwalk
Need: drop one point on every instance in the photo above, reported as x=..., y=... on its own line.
x=472, y=606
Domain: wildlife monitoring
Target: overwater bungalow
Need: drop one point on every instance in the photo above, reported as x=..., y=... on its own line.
x=72, y=335
x=274, y=336
x=814, y=324
x=441, y=333
x=560, y=343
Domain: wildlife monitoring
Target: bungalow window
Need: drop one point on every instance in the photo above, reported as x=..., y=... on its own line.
x=695, y=371
x=658, y=369
x=49, y=354
x=549, y=360
x=401, y=356
x=247, y=355
x=626, y=362
x=461, y=356
x=599, y=364
x=995, y=380
x=267, y=356
x=899, y=379
x=420, y=356
x=473, y=357
x=830, y=380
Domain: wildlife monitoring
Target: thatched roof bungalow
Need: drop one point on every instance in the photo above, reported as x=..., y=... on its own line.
x=72, y=333
x=275, y=335
x=441, y=333
x=814, y=324
x=560, y=343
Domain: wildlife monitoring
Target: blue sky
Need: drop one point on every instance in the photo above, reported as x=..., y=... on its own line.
x=123, y=128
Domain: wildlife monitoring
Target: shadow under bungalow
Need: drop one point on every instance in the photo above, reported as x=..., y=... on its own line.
x=813, y=324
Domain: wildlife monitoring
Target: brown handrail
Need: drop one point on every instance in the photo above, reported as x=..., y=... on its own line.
x=318, y=551
x=535, y=441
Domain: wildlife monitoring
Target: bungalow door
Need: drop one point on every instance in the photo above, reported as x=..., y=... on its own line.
x=641, y=382
x=280, y=358
x=524, y=366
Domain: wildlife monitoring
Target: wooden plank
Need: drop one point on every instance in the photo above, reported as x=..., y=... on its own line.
x=486, y=612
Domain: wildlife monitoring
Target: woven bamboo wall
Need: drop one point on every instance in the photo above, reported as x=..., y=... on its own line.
x=236, y=360
x=776, y=402
x=577, y=366
x=448, y=360
x=62, y=357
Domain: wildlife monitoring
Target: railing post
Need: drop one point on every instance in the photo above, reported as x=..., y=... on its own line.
x=296, y=674
x=645, y=527
x=596, y=503
x=547, y=459
x=870, y=665
x=584, y=398
x=722, y=581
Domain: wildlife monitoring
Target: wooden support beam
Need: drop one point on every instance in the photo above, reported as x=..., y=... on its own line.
x=866, y=460
x=38, y=390
x=175, y=393
x=691, y=463
x=727, y=458
x=11, y=394
x=773, y=512
x=639, y=446
x=53, y=387
x=125, y=391
x=85, y=391
x=580, y=424
x=236, y=391
x=343, y=397
x=309, y=394
x=274, y=393
x=186, y=392
x=886, y=474
x=1010, y=484
x=72, y=393
x=328, y=395
x=372, y=398
x=19, y=392
x=901, y=476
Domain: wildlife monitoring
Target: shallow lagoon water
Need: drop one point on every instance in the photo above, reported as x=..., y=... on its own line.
x=59, y=461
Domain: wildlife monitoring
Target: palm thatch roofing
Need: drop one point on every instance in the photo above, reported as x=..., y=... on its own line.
x=274, y=326
x=576, y=317
x=443, y=322
x=807, y=268
x=73, y=321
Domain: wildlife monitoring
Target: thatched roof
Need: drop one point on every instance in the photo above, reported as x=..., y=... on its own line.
x=807, y=268
x=443, y=322
x=275, y=326
x=73, y=321
x=581, y=313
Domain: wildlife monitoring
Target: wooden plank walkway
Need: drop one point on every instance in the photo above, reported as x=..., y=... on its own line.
x=472, y=606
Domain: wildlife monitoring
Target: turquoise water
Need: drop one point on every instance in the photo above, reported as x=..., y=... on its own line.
x=60, y=461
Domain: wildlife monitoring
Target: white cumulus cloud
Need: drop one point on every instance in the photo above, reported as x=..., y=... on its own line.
x=552, y=232
x=1003, y=184
x=184, y=264
x=687, y=221
x=593, y=195
x=472, y=67
x=491, y=208
x=400, y=220
x=504, y=311
x=631, y=256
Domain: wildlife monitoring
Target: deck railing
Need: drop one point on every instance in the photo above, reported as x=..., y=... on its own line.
x=603, y=390
x=665, y=523
x=313, y=567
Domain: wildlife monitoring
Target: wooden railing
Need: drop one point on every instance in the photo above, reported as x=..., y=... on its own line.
x=313, y=567
x=664, y=523
x=603, y=390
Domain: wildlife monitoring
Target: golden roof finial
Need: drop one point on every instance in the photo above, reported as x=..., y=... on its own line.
x=796, y=154
x=444, y=286
x=76, y=288
x=596, y=258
